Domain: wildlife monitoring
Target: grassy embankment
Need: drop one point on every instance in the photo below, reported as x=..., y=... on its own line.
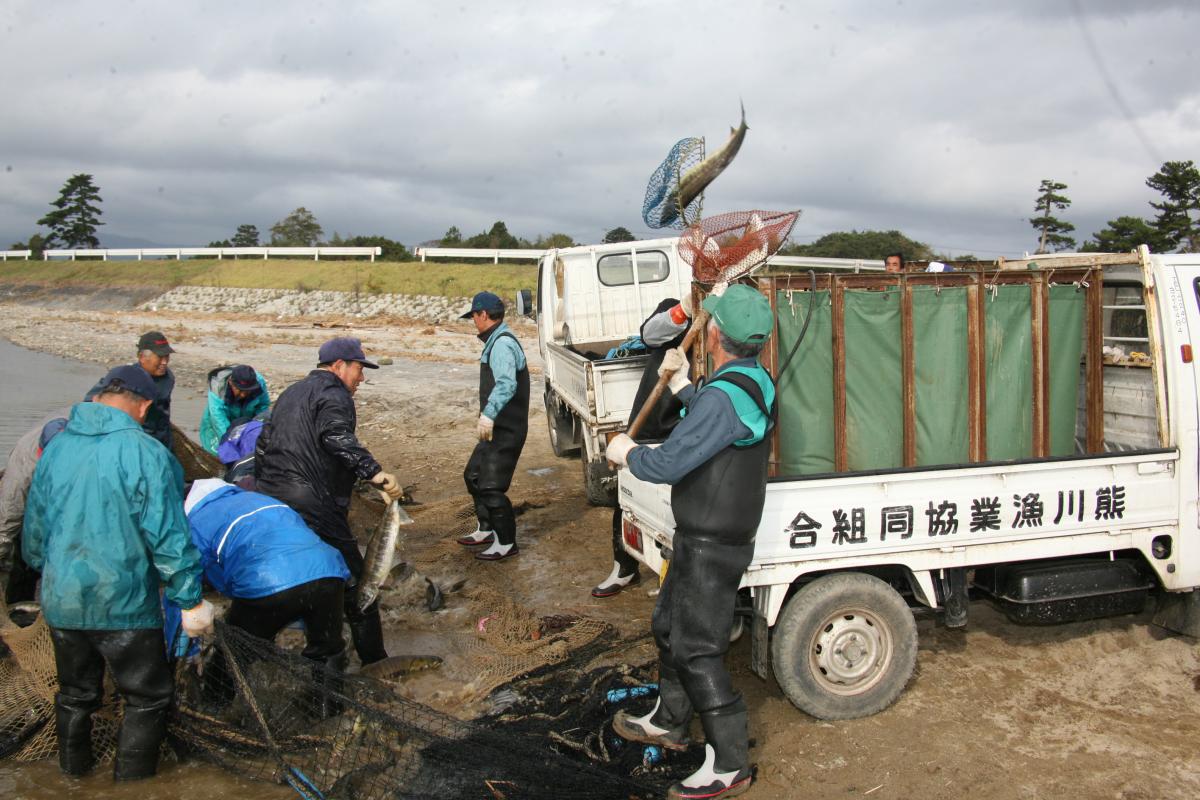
x=407, y=277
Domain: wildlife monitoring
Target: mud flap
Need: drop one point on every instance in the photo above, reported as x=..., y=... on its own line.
x=760, y=636
x=1179, y=612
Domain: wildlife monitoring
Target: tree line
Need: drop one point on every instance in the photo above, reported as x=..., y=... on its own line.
x=75, y=216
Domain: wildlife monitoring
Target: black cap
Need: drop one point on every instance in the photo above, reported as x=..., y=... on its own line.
x=156, y=343
x=344, y=348
x=484, y=301
x=131, y=378
x=244, y=378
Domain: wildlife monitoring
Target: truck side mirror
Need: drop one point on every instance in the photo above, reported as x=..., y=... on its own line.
x=525, y=303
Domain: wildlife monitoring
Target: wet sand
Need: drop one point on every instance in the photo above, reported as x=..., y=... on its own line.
x=1104, y=709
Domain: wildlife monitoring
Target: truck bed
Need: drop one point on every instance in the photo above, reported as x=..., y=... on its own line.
x=601, y=391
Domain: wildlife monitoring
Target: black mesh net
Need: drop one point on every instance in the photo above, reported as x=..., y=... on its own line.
x=261, y=712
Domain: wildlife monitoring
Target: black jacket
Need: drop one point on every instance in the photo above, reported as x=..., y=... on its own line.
x=308, y=456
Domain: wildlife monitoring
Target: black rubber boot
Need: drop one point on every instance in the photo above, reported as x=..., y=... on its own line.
x=366, y=631
x=327, y=678
x=74, y=738
x=668, y=724
x=726, y=769
x=141, y=737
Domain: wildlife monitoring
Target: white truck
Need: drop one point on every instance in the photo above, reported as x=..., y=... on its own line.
x=845, y=556
x=589, y=300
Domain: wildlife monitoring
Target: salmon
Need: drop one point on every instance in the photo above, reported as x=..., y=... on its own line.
x=381, y=553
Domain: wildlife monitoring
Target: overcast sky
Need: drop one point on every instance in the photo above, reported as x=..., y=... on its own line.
x=402, y=119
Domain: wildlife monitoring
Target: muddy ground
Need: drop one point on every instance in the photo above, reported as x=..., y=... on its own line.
x=1106, y=709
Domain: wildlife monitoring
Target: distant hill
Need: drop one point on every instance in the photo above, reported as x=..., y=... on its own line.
x=117, y=241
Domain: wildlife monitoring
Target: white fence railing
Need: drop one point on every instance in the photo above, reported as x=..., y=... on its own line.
x=7, y=254
x=477, y=252
x=210, y=252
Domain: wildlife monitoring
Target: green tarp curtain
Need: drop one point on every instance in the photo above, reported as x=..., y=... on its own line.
x=805, y=391
x=874, y=374
x=1009, y=369
x=1068, y=309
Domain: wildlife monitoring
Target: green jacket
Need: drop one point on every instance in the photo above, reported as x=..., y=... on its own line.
x=104, y=523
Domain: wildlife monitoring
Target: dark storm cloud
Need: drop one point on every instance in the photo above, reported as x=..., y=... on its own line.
x=402, y=119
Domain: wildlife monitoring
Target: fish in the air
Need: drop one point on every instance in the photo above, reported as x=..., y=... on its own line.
x=381, y=553
x=696, y=179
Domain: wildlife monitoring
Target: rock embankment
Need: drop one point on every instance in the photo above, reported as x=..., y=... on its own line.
x=294, y=303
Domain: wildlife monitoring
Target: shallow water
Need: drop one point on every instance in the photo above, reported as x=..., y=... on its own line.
x=36, y=384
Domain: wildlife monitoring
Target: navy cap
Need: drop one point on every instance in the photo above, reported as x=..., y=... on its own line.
x=131, y=378
x=51, y=429
x=244, y=378
x=344, y=348
x=484, y=301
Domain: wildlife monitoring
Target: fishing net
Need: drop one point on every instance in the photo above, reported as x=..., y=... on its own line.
x=727, y=246
x=661, y=208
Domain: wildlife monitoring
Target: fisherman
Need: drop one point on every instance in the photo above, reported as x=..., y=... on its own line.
x=662, y=331
x=17, y=581
x=309, y=457
x=260, y=553
x=893, y=262
x=716, y=462
x=104, y=523
x=501, y=429
x=154, y=356
x=236, y=450
x=234, y=393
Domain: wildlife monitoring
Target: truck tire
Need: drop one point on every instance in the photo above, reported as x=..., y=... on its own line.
x=599, y=481
x=844, y=647
x=561, y=426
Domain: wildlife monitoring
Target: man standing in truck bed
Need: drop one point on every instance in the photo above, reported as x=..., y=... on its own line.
x=716, y=462
x=501, y=428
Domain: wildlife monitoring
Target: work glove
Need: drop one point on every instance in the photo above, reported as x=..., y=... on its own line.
x=675, y=363
x=484, y=428
x=387, y=484
x=718, y=289
x=198, y=621
x=618, y=449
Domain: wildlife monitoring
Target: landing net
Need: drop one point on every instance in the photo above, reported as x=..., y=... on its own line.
x=728, y=246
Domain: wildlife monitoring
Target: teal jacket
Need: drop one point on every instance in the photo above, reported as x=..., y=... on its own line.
x=223, y=408
x=104, y=523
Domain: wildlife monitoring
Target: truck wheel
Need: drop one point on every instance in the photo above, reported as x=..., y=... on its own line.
x=844, y=647
x=562, y=431
x=600, y=492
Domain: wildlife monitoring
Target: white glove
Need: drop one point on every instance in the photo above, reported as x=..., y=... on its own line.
x=686, y=305
x=718, y=289
x=618, y=449
x=198, y=621
x=675, y=362
x=387, y=484
x=484, y=428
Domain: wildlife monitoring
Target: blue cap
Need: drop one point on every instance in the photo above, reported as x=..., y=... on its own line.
x=344, y=348
x=131, y=378
x=51, y=429
x=484, y=301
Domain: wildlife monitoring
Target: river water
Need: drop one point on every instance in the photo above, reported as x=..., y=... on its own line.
x=36, y=384
x=33, y=385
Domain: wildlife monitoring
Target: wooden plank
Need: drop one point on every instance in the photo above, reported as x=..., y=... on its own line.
x=838, y=316
x=976, y=413
x=1095, y=363
x=1039, y=360
x=771, y=359
x=908, y=374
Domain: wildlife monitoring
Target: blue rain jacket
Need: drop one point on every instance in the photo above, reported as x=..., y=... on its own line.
x=252, y=545
x=104, y=523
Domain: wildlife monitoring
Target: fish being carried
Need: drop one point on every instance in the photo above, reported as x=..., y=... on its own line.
x=381, y=553
x=673, y=189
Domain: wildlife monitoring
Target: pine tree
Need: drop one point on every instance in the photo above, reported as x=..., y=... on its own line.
x=1179, y=184
x=246, y=236
x=1052, y=231
x=76, y=214
x=297, y=229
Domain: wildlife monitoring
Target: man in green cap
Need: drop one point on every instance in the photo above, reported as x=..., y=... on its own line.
x=716, y=463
